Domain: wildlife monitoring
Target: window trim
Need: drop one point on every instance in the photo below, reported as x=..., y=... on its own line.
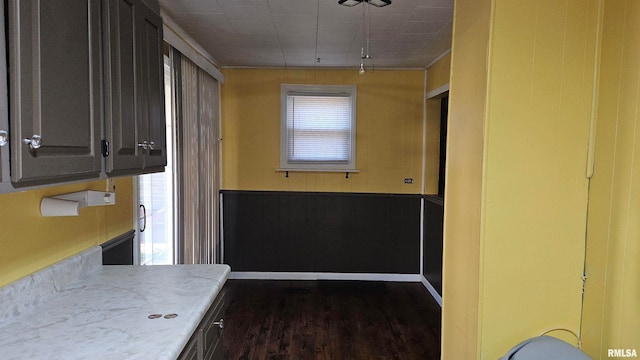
x=285, y=89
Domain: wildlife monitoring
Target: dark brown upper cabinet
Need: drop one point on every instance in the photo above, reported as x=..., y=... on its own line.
x=55, y=90
x=134, y=74
x=85, y=82
x=5, y=177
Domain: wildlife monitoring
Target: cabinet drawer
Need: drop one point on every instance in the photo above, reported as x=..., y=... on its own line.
x=210, y=330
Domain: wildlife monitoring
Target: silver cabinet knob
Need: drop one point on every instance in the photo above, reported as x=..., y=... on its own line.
x=151, y=145
x=219, y=323
x=4, y=138
x=143, y=145
x=34, y=142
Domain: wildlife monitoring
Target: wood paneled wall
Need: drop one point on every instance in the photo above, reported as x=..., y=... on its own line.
x=272, y=231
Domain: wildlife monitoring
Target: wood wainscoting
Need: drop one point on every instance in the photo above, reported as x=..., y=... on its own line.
x=273, y=231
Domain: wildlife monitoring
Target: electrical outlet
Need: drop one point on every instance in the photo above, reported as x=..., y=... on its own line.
x=408, y=180
x=111, y=185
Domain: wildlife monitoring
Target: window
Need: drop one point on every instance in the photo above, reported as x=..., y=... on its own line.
x=318, y=127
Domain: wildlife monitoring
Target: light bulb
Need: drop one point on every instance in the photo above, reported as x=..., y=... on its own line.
x=361, y=68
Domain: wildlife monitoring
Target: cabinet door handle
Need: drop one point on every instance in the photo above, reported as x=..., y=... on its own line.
x=34, y=142
x=143, y=145
x=4, y=138
x=219, y=323
x=144, y=218
x=151, y=145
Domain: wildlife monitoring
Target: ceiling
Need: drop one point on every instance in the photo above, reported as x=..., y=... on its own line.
x=295, y=33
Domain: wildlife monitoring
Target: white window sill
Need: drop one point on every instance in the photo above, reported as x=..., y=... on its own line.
x=317, y=170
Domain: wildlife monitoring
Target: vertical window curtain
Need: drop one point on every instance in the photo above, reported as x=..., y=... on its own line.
x=208, y=166
x=198, y=162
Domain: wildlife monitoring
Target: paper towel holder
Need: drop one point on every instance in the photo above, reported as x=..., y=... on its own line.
x=70, y=204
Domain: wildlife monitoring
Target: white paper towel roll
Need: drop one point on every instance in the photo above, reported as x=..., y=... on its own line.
x=57, y=207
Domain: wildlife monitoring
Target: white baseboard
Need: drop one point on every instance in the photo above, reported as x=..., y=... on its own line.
x=251, y=275
x=431, y=290
x=256, y=275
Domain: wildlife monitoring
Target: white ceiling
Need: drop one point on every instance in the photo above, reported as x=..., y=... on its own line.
x=293, y=33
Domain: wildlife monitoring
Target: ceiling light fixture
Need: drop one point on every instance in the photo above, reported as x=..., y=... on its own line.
x=378, y=3
x=366, y=21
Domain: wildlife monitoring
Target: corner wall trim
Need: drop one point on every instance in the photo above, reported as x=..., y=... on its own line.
x=431, y=290
x=447, y=52
x=437, y=91
x=251, y=275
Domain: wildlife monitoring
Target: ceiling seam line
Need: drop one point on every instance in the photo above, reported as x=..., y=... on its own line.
x=275, y=28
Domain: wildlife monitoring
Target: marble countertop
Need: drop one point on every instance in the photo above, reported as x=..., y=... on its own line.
x=104, y=314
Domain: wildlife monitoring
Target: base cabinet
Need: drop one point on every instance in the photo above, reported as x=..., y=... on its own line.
x=206, y=342
x=190, y=351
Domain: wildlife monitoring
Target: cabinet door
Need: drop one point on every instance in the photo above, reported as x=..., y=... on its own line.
x=152, y=79
x=55, y=90
x=123, y=123
x=5, y=184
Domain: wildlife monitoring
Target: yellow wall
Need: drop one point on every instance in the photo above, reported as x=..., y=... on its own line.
x=612, y=294
x=515, y=211
x=389, y=131
x=463, y=190
x=438, y=73
x=30, y=242
x=535, y=188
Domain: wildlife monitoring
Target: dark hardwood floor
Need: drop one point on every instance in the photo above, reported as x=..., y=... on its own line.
x=330, y=320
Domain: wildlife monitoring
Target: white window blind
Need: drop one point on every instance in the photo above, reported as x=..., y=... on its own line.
x=318, y=127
